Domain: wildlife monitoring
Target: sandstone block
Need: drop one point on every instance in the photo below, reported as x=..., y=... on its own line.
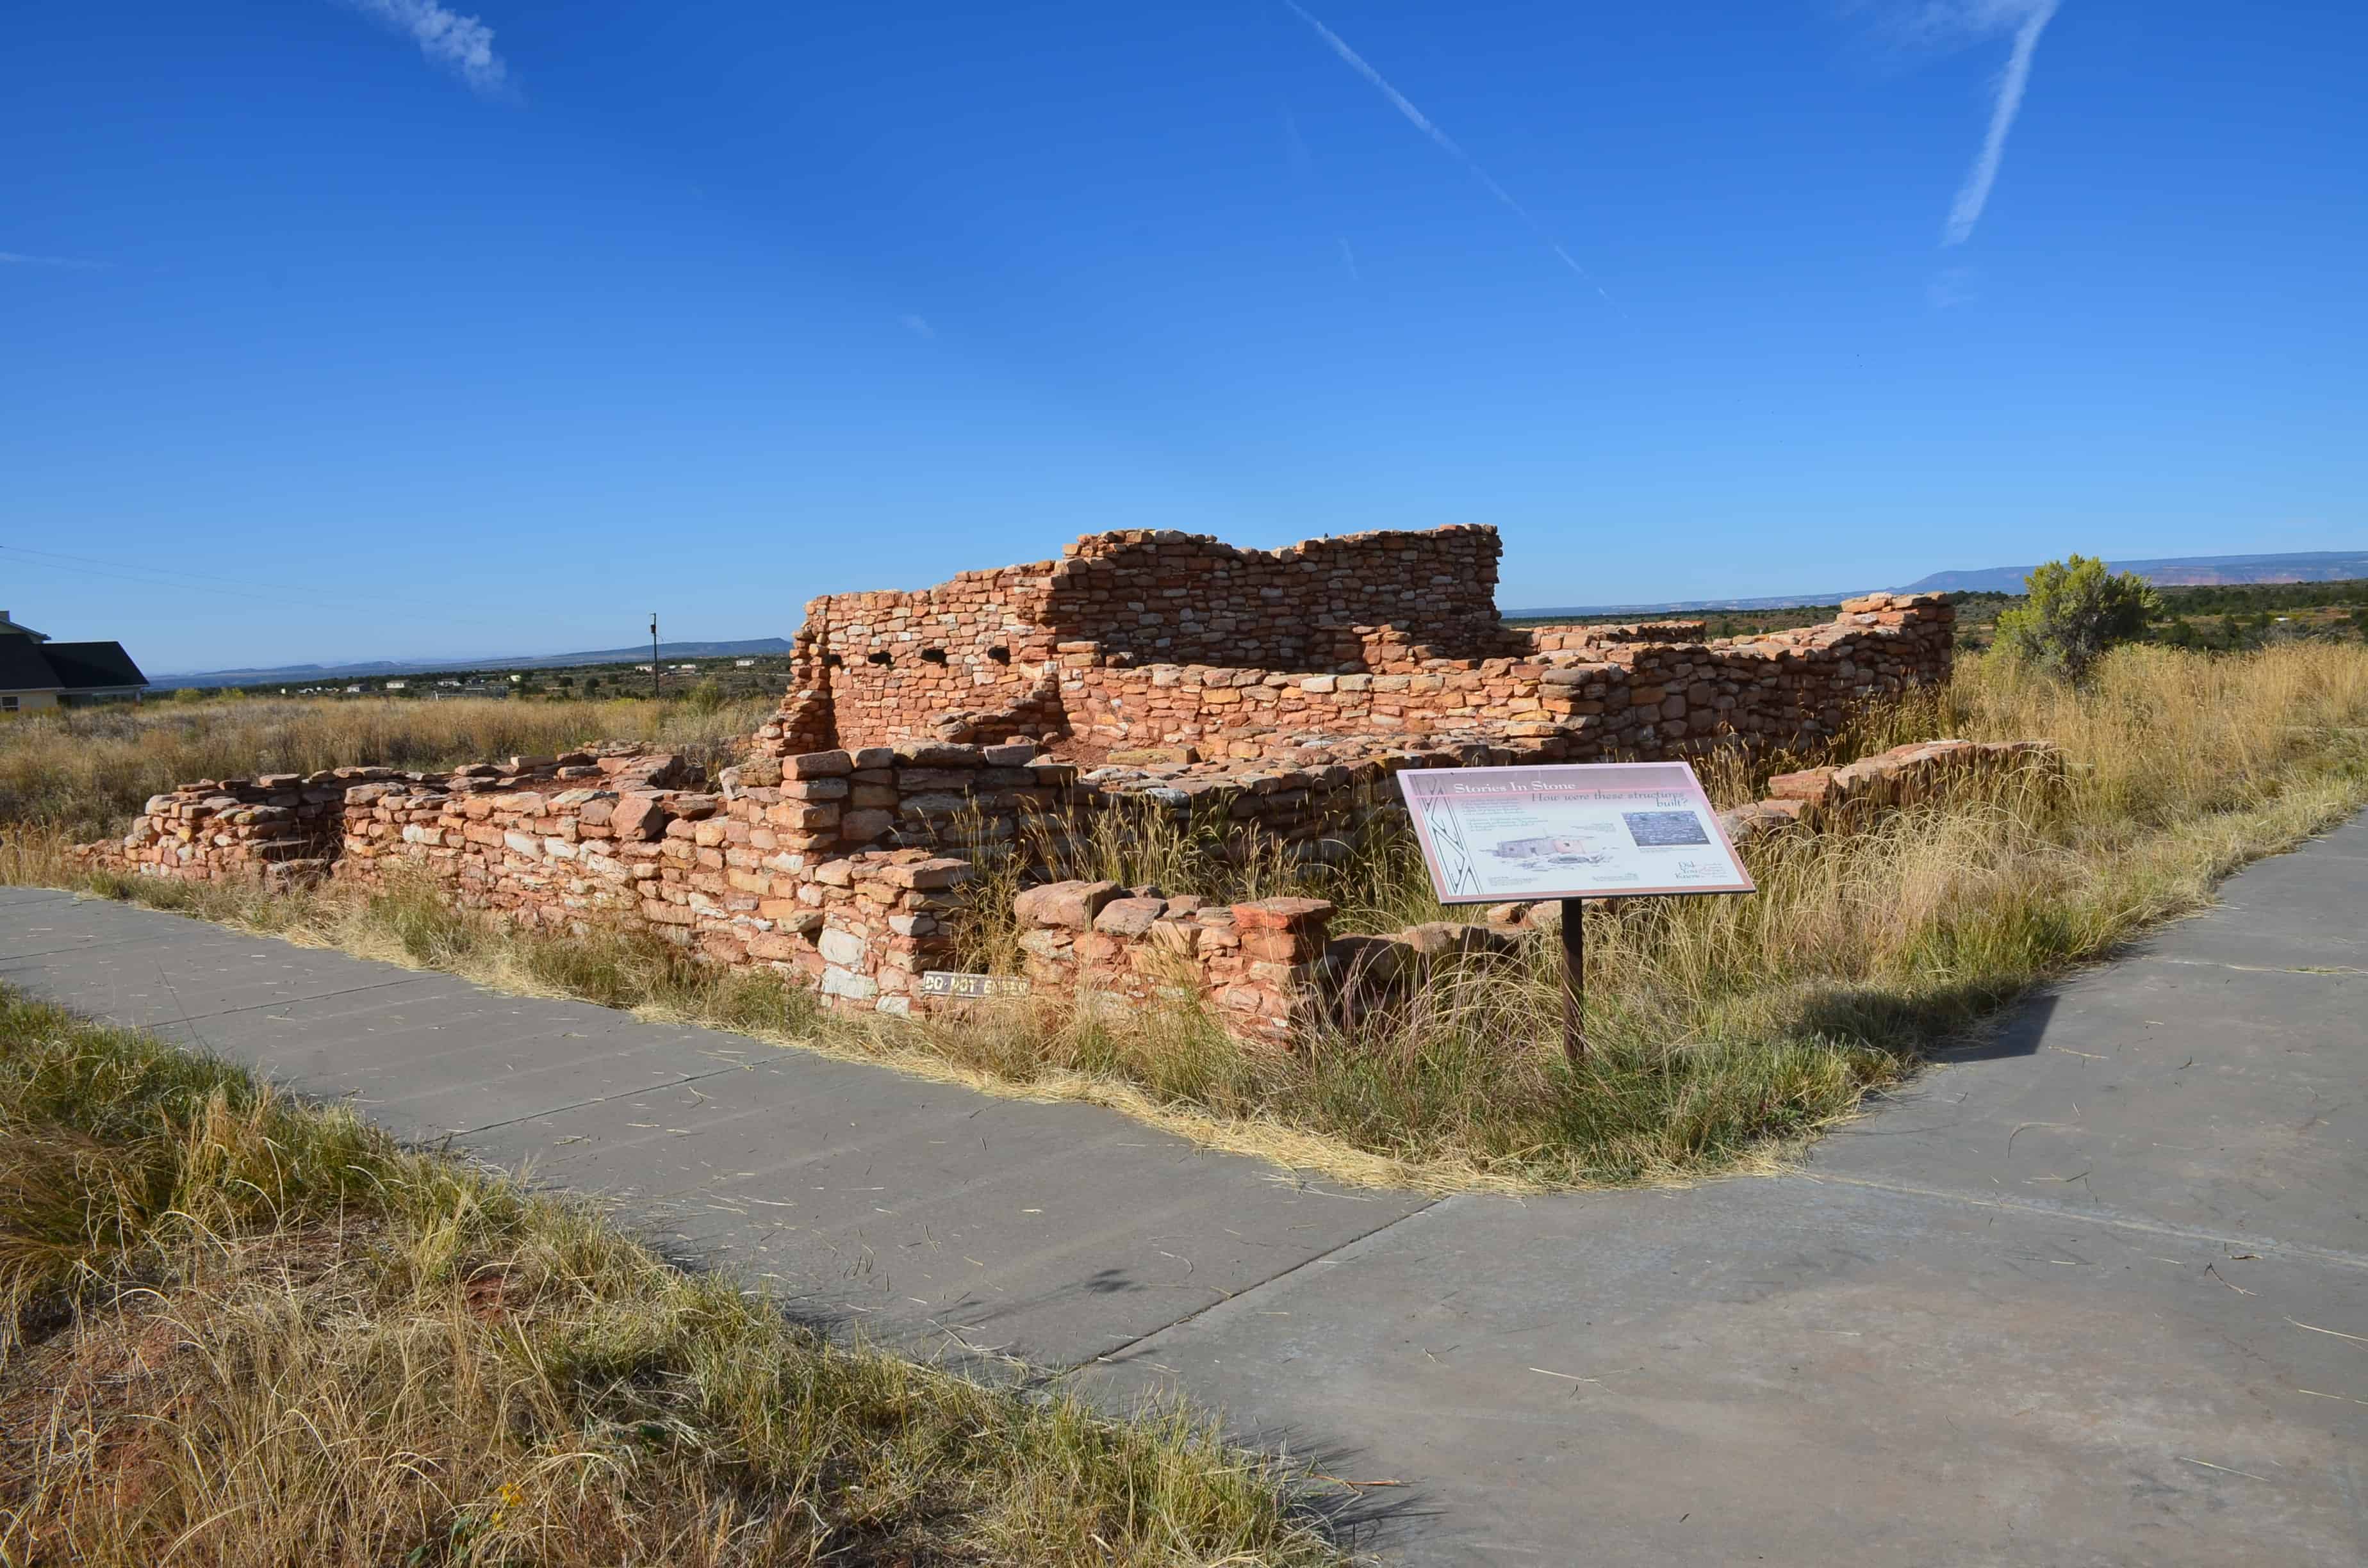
x=817, y=765
x=638, y=817
x=1129, y=917
x=926, y=875
x=1069, y=905
x=843, y=983
x=1284, y=914
x=864, y=826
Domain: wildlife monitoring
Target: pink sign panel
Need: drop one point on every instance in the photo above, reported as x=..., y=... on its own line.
x=1574, y=830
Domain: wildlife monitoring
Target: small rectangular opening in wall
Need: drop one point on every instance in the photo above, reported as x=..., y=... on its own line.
x=1000, y=655
x=933, y=655
x=880, y=658
x=832, y=662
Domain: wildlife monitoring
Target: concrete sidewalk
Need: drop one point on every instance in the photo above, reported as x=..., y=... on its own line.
x=2095, y=1293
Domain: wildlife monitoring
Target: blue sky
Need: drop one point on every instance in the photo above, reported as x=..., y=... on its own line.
x=372, y=328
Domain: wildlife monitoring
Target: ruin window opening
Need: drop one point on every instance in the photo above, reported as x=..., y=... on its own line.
x=933, y=655
x=1000, y=655
x=880, y=658
x=832, y=662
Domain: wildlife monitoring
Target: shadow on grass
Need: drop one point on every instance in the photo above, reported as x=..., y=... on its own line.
x=1969, y=1021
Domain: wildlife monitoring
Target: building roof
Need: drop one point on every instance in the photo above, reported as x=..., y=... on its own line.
x=28, y=666
x=92, y=666
x=22, y=668
x=11, y=628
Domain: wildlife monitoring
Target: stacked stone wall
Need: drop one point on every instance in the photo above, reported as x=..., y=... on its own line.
x=279, y=827
x=1587, y=697
x=971, y=657
x=839, y=852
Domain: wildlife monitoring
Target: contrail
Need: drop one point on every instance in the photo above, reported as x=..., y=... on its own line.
x=1976, y=193
x=1425, y=124
x=462, y=45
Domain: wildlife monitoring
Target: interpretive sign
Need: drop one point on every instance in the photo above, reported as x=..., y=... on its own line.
x=1569, y=830
x=1575, y=830
x=946, y=983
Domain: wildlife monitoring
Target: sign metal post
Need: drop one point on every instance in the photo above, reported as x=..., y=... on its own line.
x=1570, y=831
x=1574, y=979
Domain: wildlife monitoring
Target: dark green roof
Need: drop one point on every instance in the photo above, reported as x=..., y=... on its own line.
x=86, y=667
x=22, y=668
x=28, y=666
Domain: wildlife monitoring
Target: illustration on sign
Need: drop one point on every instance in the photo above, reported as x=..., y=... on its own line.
x=945, y=982
x=1577, y=830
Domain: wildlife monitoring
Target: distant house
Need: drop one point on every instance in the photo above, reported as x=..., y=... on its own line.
x=744, y=664
x=38, y=673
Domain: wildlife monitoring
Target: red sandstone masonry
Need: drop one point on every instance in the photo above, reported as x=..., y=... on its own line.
x=835, y=860
x=877, y=668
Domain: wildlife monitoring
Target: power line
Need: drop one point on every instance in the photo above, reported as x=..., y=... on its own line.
x=143, y=576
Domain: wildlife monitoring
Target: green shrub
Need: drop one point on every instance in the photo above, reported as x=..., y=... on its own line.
x=2077, y=611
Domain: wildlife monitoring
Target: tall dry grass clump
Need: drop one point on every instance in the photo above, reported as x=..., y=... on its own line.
x=237, y=1332
x=83, y=772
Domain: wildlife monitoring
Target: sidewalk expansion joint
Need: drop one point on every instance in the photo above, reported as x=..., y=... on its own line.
x=595, y=1099
x=2108, y=1218
x=1245, y=1293
x=287, y=1001
x=2336, y=971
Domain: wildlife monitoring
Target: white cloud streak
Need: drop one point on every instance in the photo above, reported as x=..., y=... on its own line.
x=1445, y=143
x=1935, y=27
x=1974, y=194
x=19, y=258
x=462, y=45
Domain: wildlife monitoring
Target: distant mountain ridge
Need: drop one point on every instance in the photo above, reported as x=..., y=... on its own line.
x=2171, y=572
x=376, y=669
x=2175, y=572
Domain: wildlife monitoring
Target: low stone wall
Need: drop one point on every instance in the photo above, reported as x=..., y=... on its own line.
x=292, y=826
x=1858, y=793
x=766, y=875
x=1258, y=965
x=280, y=826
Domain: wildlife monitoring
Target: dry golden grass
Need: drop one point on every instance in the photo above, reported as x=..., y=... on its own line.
x=83, y=770
x=1724, y=1030
x=237, y=1332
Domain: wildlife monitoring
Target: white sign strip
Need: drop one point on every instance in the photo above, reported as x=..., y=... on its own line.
x=1572, y=830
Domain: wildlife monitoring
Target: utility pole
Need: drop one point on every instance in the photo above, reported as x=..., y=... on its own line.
x=653, y=655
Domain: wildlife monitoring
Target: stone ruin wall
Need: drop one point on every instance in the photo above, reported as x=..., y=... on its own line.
x=839, y=853
x=988, y=653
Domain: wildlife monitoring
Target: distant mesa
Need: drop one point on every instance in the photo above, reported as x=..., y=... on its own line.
x=2171, y=572
x=2176, y=571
